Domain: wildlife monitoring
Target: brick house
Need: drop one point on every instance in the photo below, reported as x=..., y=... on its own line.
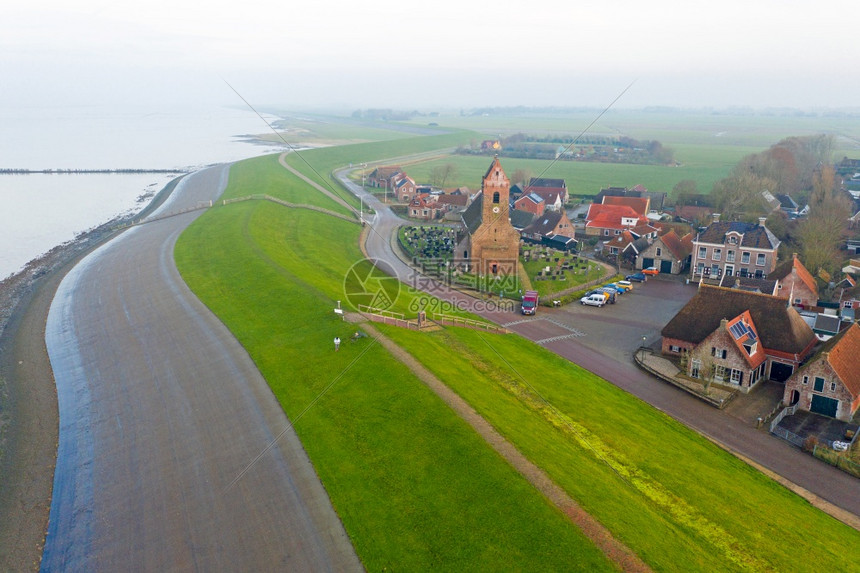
x=731, y=355
x=404, y=187
x=547, y=185
x=426, y=206
x=784, y=337
x=796, y=283
x=549, y=224
x=552, y=198
x=669, y=253
x=734, y=248
x=531, y=203
x=829, y=384
x=489, y=245
x=381, y=176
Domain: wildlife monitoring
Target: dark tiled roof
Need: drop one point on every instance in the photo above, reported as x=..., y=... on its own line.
x=750, y=284
x=521, y=219
x=474, y=214
x=544, y=224
x=754, y=236
x=545, y=182
x=780, y=327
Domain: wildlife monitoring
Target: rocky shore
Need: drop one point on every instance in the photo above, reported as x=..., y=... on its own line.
x=29, y=423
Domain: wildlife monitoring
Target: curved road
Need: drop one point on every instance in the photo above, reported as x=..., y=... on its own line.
x=825, y=481
x=173, y=453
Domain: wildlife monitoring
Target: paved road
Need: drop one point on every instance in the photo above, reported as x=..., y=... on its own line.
x=613, y=362
x=164, y=461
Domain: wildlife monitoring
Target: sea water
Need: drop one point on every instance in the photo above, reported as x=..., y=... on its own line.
x=40, y=211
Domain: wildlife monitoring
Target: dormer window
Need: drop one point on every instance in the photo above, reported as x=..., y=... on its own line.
x=733, y=240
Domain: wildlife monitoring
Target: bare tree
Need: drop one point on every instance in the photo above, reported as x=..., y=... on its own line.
x=820, y=234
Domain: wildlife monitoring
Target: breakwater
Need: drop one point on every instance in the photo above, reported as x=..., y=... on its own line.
x=6, y=171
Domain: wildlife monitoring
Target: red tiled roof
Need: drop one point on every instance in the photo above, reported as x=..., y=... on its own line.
x=638, y=204
x=758, y=356
x=844, y=357
x=676, y=245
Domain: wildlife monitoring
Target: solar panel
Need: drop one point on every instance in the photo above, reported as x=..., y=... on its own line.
x=738, y=329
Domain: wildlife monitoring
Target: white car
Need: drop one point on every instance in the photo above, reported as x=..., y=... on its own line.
x=593, y=300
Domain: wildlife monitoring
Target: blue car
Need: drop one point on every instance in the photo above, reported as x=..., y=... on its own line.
x=637, y=277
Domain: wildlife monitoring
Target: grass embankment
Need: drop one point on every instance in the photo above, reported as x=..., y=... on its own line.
x=415, y=487
x=676, y=499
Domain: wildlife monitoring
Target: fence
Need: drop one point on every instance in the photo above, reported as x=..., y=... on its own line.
x=444, y=319
x=388, y=317
x=788, y=436
x=835, y=459
x=789, y=411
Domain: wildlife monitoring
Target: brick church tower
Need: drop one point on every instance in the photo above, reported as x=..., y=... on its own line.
x=492, y=244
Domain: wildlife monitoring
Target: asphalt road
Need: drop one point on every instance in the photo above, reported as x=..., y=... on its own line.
x=173, y=454
x=602, y=341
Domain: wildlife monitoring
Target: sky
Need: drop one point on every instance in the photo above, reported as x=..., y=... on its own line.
x=445, y=53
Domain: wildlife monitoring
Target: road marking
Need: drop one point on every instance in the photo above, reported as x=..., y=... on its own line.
x=575, y=334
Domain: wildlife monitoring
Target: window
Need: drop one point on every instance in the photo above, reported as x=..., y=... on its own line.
x=737, y=377
x=673, y=348
x=733, y=240
x=759, y=259
x=846, y=304
x=806, y=380
x=819, y=384
x=496, y=198
x=718, y=254
x=605, y=232
x=703, y=253
x=833, y=386
x=797, y=302
x=745, y=258
x=699, y=268
x=617, y=231
x=730, y=257
x=659, y=251
x=719, y=373
x=695, y=366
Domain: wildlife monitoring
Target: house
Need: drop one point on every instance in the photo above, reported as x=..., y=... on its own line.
x=488, y=244
x=732, y=354
x=734, y=248
x=610, y=220
x=453, y=202
x=795, y=282
x=829, y=383
x=788, y=205
x=549, y=224
x=771, y=203
x=669, y=253
x=552, y=197
x=641, y=205
x=619, y=243
x=381, y=176
x=655, y=198
x=426, y=206
x=532, y=203
x=521, y=219
x=853, y=267
x=545, y=184
x=786, y=339
x=403, y=187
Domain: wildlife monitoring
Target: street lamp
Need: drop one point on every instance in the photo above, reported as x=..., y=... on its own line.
x=642, y=349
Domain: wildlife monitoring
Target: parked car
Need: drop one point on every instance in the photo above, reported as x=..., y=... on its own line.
x=616, y=287
x=651, y=271
x=530, y=302
x=611, y=293
x=638, y=277
x=626, y=285
x=596, y=299
x=597, y=291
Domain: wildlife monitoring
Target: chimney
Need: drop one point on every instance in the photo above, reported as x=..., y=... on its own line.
x=761, y=221
x=716, y=217
x=794, y=256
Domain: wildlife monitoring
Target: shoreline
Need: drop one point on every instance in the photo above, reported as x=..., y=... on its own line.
x=29, y=419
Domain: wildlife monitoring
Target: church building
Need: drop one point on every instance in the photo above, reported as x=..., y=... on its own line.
x=489, y=245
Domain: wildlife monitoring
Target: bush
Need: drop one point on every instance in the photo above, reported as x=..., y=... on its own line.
x=810, y=443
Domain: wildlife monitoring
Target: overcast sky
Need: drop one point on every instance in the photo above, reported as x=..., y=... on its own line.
x=442, y=53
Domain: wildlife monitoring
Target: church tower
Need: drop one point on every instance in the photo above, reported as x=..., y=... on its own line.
x=495, y=243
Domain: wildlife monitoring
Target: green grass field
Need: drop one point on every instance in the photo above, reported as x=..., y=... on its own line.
x=679, y=501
